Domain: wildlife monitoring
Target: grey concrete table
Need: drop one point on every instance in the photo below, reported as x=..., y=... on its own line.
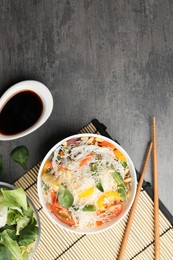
x=110, y=60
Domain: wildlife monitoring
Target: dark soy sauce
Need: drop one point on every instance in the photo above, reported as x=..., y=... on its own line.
x=21, y=112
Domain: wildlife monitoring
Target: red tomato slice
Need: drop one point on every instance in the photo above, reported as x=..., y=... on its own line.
x=111, y=212
x=53, y=195
x=114, y=209
x=62, y=214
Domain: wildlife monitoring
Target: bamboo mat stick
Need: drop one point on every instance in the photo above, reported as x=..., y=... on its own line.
x=156, y=199
x=132, y=212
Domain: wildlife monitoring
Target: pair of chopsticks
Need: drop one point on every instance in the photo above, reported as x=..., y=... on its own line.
x=153, y=145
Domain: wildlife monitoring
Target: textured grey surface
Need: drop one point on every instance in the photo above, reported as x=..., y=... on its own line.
x=111, y=60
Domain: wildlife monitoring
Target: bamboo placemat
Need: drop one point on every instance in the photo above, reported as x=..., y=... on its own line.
x=57, y=243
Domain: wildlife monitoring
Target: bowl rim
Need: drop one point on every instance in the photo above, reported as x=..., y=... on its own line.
x=13, y=187
x=62, y=225
x=45, y=95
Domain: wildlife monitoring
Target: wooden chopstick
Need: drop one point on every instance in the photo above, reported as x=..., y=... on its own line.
x=156, y=200
x=132, y=212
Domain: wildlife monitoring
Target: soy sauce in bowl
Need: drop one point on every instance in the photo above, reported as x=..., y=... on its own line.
x=20, y=112
x=24, y=107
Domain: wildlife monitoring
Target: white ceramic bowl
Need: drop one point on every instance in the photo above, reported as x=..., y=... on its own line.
x=42, y=91
x=32, y=206
x=107, y=225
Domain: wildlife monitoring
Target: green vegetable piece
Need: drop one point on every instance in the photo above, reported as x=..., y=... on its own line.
x=21, y=224
x=124, y=164
x=12, y=245
x=20, y=155
x=120, y=185
x=14, y=198
x=122, y=191
x=75, y=208
x=45, y=187
x=13, y=217
x=99, y=186
x=59, y=157
x=5, y=253
x=3, y=215
x=1, y=164
x=117, y=177
x=26, y=252
x=89, y=208
x=33, y=222
x=28, y=235
x=11, y=230
x=28, y=212
x=93, y=166
x=65, y=197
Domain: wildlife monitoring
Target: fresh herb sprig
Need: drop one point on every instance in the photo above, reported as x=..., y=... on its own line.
x=20, y=155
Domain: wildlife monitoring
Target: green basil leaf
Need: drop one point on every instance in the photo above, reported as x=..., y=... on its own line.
x=89, y=208
x=65, y=197
x=20, y=155
x=1, y=164
x=99, y=186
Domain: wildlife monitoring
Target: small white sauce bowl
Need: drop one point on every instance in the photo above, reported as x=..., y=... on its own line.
x=42, y=91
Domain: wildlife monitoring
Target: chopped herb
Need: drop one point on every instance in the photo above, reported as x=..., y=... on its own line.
x=99, y=186
x=89, y=208
x=46, y=187
x=93, y=166
x=65, y=149
x=124, y=164
x=94, y=174
x=75, y=208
